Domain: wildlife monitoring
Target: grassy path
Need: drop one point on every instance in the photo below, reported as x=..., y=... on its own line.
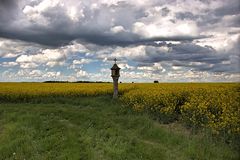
x=96, y=128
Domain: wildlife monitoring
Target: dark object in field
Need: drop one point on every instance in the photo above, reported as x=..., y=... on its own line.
x=115, y=76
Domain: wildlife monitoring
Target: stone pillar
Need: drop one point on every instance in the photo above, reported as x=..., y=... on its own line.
x=115, y=87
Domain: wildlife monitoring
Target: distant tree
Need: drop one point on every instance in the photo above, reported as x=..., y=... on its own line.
x=155, y=81
x=55, y=82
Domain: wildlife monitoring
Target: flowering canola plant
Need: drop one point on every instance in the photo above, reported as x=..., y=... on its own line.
x=19, y=92
x=215, y=106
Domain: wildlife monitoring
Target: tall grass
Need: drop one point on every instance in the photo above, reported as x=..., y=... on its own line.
x=97, y=128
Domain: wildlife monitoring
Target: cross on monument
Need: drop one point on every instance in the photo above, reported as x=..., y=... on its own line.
x=115, y=59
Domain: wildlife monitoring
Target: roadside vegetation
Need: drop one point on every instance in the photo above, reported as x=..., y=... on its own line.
x=148, y=121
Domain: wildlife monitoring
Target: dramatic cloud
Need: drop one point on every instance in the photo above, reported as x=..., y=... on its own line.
x=57, y=23
x=153, y=39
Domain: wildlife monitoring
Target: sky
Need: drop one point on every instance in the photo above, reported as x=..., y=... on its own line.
x=77, y=40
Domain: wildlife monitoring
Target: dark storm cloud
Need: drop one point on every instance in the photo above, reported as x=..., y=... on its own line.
x=62, y=30
x=210, y=17
x=213, y=67
x=93, y=28
x=96, y=25
x=7, y=4
x=58, y=38
x=126, y=39
x=186, y=16
x=165, y=11
x=230, y=8
x=233, y=32
x=191, y=56
x=7, y=9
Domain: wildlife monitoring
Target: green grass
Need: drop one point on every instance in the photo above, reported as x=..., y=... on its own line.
x=97, y=128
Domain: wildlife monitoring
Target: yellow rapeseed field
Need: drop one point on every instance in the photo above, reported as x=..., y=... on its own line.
x=214, y=106
x=26, y=91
